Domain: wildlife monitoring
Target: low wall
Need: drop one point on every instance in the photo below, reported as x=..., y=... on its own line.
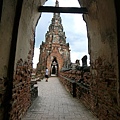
x=81, y=84
x=77, y=84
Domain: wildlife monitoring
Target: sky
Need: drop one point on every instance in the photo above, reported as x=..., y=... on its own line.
x=73, y=26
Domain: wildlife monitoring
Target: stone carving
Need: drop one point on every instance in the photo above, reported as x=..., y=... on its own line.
x=84, y=61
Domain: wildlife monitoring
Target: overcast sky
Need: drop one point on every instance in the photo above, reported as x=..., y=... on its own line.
x=73, y=26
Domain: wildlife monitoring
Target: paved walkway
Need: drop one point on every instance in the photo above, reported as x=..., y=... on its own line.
x=55, y=103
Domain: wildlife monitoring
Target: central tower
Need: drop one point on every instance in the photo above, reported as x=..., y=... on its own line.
x=54, y=52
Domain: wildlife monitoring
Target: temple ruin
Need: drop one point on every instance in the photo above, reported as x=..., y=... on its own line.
x=54, y=52
x=18, y=20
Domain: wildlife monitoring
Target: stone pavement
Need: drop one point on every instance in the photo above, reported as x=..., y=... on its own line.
x=55, y=103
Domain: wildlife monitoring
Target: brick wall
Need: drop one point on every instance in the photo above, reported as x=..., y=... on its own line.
x=104, y=90
x=77, y=84
x=95, y=89
x=2, y=94
x=21, y=97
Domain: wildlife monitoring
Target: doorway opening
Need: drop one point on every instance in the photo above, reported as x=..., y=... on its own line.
x=54, y=67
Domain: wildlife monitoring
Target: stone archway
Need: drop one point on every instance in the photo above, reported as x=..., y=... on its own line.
x=17, y=26
x=55, y=55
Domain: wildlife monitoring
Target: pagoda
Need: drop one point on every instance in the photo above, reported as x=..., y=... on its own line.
x=54, y=52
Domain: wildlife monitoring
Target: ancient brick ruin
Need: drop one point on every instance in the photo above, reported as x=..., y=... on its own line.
x=97, y=94
x=54, y=52
x=98, y=89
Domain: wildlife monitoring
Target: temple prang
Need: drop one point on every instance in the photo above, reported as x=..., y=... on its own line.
x=54, y=52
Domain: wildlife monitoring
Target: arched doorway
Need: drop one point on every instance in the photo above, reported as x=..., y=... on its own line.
x=54, y=67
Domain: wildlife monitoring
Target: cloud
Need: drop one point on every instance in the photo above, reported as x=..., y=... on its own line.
x=63, y=3
x=70, y=3
x=42, y=28
x=73, y=26
x=79, y=24
x=75, y=30
x=36, y=57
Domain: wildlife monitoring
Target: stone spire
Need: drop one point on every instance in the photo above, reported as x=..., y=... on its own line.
x=56, y=28
x=56, y=3
x=56, y=14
